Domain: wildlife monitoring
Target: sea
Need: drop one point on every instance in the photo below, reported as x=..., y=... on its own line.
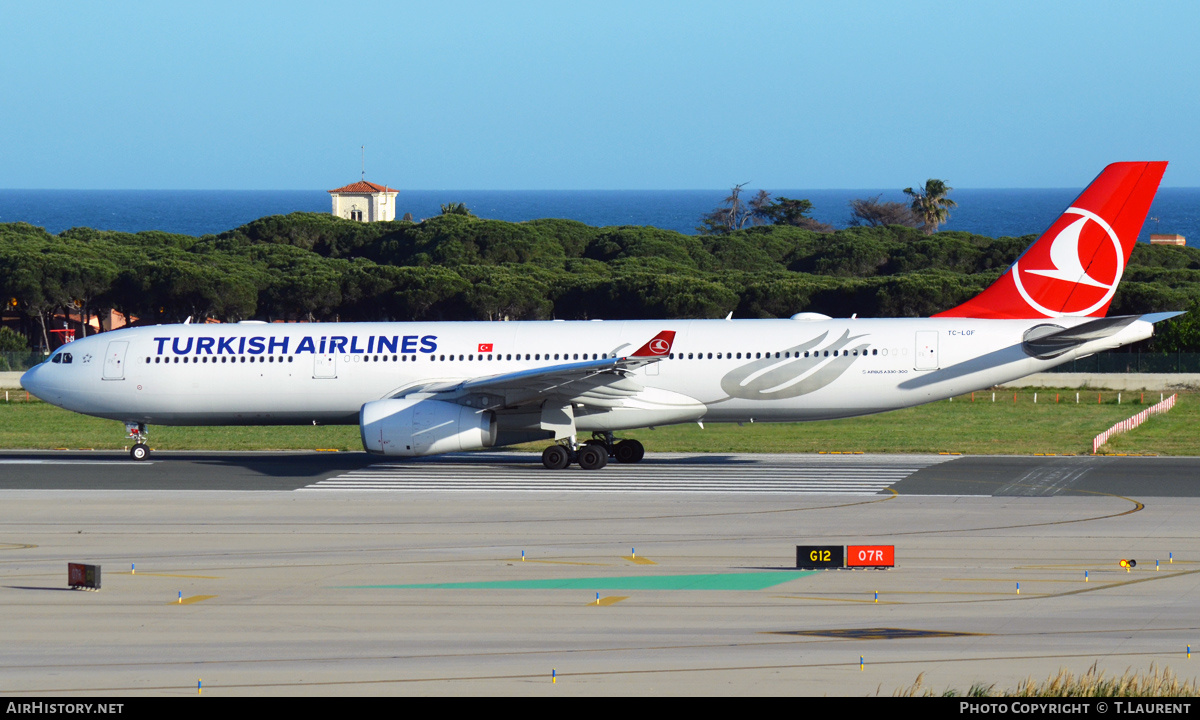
x=994, y=212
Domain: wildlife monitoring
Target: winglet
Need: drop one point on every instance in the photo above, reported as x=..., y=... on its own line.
x=659, y=345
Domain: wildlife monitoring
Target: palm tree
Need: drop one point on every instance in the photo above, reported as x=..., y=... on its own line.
x=932, y=206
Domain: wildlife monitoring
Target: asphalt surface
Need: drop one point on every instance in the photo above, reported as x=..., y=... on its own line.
x=905, y=474
x=339, y=574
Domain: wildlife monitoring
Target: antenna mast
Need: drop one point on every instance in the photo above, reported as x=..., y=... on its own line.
x=364, y=163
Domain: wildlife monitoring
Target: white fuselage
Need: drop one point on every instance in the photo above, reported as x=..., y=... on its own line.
x=718, y=370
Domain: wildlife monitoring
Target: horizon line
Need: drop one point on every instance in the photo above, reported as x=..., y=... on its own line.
x=545, y=190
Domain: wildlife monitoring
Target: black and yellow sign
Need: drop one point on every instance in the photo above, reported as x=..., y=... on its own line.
x=810, y=557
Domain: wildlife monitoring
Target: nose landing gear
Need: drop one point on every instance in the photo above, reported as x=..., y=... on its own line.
x=137, y=432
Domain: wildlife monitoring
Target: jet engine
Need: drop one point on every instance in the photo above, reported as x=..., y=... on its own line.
x=419, y=426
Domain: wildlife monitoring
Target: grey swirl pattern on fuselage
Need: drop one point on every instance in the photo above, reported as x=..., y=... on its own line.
x=779, y=378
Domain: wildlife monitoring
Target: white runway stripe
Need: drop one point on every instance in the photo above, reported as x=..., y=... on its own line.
x=791, y=474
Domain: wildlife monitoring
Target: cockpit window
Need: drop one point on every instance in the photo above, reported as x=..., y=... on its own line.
x=62, y=357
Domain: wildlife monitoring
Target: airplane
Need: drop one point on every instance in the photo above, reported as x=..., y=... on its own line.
x=426, y=388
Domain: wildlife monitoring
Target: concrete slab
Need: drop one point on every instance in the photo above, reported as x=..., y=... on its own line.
x=286, y=612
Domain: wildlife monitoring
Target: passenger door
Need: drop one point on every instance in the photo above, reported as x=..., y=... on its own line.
x=114, y=360
x=927, y=350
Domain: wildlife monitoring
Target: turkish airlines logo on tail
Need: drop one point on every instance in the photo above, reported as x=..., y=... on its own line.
x=1077, y=272
x=658, y=346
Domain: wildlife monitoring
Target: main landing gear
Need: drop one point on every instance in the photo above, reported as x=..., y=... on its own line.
x=137, y=432
x=594, y=453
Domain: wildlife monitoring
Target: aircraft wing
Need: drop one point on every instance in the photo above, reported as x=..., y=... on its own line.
x=603, y=382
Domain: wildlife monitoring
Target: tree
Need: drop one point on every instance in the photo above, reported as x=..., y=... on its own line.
x=786, y=211
x=456, y=209
x=932, y=206
x=12, y=341
x=871, y=212
x=734, y=213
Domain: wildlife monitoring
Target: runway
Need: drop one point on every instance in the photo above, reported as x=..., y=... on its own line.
x=659, y=472
x=309, y=574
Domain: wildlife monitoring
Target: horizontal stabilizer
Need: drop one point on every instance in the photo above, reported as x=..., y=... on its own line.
x=1049, y=341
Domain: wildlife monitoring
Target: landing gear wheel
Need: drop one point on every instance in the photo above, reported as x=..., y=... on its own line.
x=629, y=451
x=140, y=451
x=593, y=457
x=555, y=457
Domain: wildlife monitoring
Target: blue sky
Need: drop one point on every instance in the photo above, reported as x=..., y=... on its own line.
x=606, y=95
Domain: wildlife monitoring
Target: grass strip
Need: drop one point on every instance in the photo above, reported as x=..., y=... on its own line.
x=1055, y=424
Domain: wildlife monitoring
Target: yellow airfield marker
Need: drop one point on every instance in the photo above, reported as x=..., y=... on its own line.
x=639, y=560
x=195, y=577
x=610, y=600
x=193, y=599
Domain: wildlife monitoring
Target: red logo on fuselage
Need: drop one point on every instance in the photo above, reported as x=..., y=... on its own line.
x=1077, y=271
x=485, y=347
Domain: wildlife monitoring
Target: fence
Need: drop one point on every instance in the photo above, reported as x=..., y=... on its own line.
x=20, y=361
x=1131, y=423
x=1133, y=362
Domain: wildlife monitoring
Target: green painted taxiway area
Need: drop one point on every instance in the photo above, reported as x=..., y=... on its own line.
x=717, y=581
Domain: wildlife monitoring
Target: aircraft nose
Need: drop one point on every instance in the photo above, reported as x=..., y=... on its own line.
x=29, y=380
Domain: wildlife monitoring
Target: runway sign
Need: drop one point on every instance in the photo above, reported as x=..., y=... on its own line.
x=871, y=556
x=84, y=576
x=811, y=557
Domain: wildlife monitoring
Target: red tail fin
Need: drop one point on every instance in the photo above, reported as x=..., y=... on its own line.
x=1074, y=267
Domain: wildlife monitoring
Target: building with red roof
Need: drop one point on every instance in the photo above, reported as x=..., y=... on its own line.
x=364, y=201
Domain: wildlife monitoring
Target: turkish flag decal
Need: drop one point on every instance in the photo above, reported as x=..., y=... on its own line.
x=485, y=347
